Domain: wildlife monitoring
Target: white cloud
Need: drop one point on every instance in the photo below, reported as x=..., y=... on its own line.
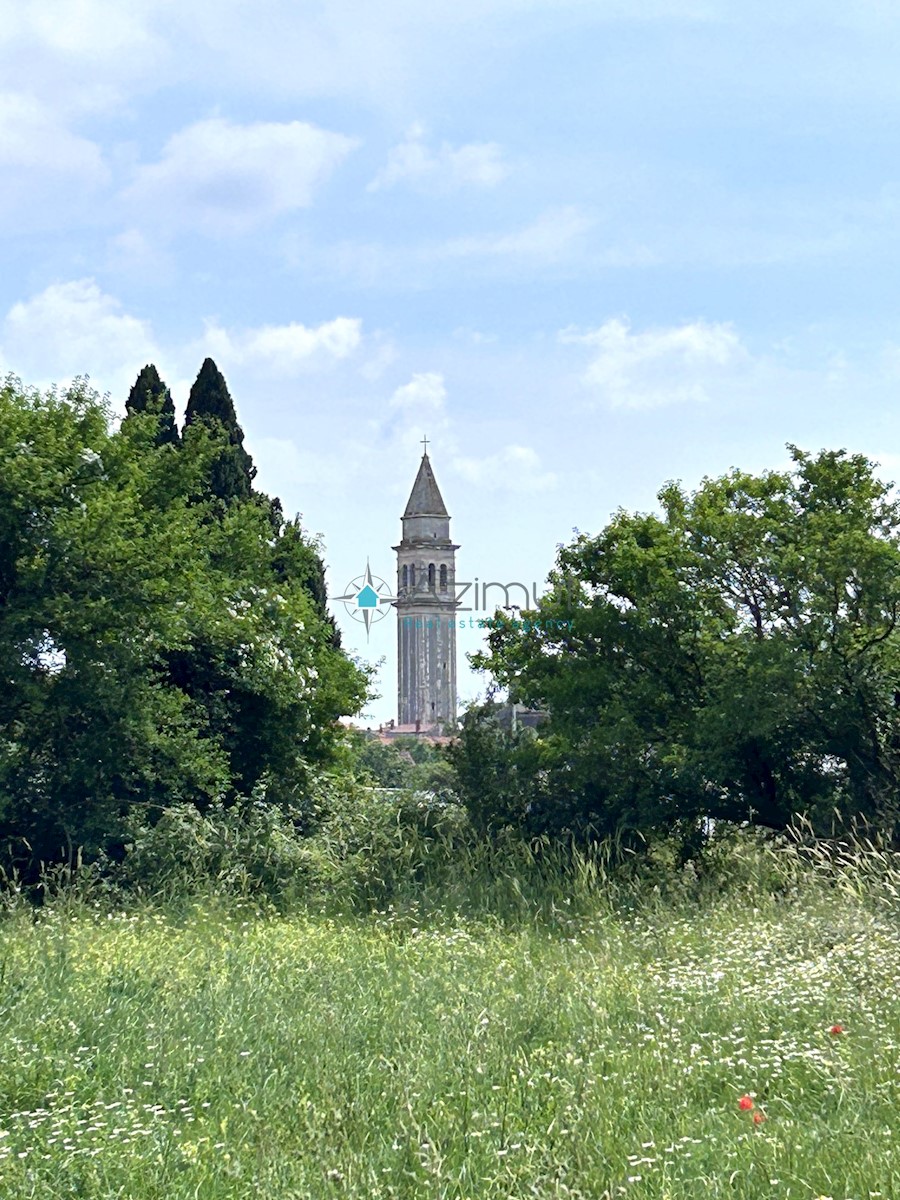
x=283, y=349
x=423, y=405
x=222, y=178
x=549, y=238
x=415, y=410
x=46, y=168
x=474, y=336
x=132, y=254
x=556, y=237
x=476, y=164
x=91, y=30
x=383, y=357
x=682, y=363
x=397, y=52
x=81, y=55
x=424, y=391
x=31, y=137
x=283, y=467
x=513, y=469
x=76, y=329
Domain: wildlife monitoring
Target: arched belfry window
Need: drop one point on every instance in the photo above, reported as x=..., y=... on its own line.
x=412, y=576
x=431, y=577
x=405, y=578
x=443, y=577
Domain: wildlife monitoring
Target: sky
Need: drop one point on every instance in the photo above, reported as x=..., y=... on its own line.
x=585, y=246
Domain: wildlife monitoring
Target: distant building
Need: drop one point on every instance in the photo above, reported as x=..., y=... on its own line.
x=391, y=732
x=520, y=716
x=426, y=611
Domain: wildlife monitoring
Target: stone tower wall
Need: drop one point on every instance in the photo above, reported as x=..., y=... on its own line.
x=426, y=610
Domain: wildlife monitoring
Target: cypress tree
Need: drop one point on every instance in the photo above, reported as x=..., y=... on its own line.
x=150, y=394
x=231, y=476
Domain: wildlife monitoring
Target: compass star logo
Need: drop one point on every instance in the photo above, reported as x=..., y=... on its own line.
x=367, y=598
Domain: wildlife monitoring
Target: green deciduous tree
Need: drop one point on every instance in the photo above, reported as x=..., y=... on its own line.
x=277, y=559
x=736, y=656
x=297, y=559
x=404, y=762
x=111, y=573
x=500, y=775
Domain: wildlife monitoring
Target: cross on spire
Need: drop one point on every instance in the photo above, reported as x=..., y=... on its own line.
x=425, y=444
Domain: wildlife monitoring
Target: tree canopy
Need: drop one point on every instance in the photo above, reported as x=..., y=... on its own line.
x=112, y=577
x=150, y=394
x=231, y=471
x=736, y=656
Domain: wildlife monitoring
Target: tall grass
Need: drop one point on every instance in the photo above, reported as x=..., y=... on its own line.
x=523, y=1021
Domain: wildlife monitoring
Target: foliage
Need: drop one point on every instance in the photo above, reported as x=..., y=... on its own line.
x=231, y=470
x=735, y=657
x=110, y=574
x=410, y=762
x=343, y=843
x=295, y=558
x=251, y=849
x=150, y=394
x=248, y=534
x=497, y=773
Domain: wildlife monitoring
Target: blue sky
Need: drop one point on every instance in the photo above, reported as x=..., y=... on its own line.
x=585, y=246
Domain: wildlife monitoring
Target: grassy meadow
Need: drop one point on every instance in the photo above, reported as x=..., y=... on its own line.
x=578, y=1038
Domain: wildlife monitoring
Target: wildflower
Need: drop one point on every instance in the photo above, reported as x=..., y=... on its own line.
x=745, y=1103
x=836, y=1029
x=758, y=1118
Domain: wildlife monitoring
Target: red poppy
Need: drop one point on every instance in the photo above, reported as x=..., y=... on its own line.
x=835, y=1029
x=758, y=1118
x=745, y=1103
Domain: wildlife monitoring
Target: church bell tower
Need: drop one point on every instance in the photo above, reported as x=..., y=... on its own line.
x=426, y=609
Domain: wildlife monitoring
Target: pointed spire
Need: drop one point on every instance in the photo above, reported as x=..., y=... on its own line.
x=425, y=498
